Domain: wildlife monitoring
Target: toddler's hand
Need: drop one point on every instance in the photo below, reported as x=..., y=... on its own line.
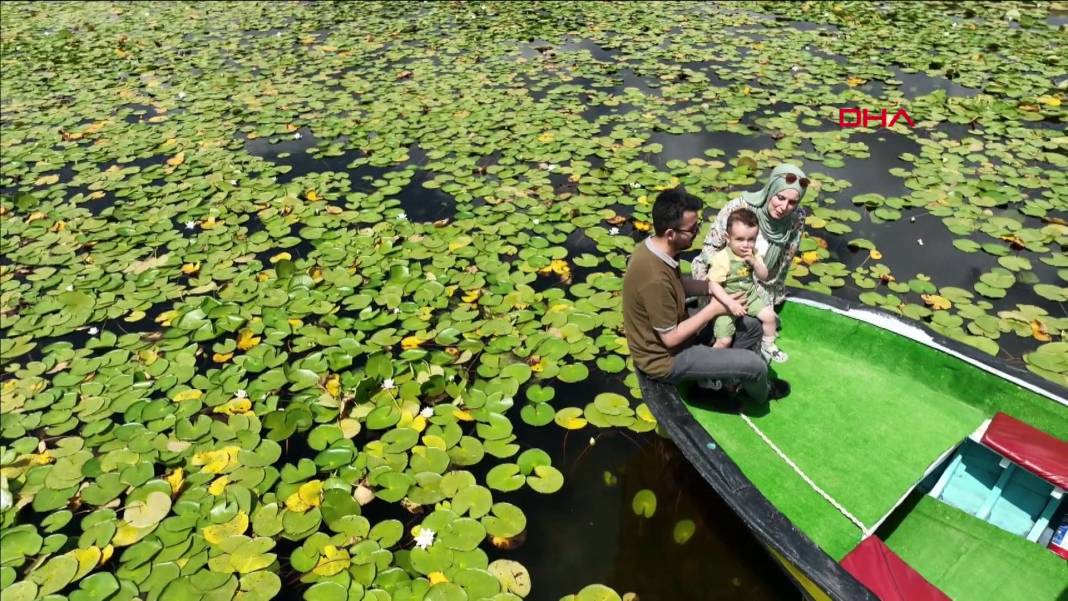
x=736, y=308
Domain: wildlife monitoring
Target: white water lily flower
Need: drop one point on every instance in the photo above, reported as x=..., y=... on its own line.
x=425, y=538
x=387, y=384
x=536, y=221
x=795, y=68
x=240, y=393
x=181, y=95
x=233, y=182
x=430, y=276
x=69, y=287
x=614, y=231
x=919, y=241
x=551, y=167
x=402, y=216
x=427, y=412
x=635, y=185
x=190, y=225
x=93, y=331
x=7, y=500
x=297, y=136
x=396, y=310
x=593, y=441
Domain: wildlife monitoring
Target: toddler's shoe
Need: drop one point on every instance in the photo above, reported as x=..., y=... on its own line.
x=710, y=384
x=770, y=352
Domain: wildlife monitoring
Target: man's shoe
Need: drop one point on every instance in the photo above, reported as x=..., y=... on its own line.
x=778, y=389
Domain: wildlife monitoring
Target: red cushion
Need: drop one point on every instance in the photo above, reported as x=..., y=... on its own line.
x=887, y=575
x=1030, y=447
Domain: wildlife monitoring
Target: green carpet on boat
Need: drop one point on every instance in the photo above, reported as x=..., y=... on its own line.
x=970, y=559
x=868, y=412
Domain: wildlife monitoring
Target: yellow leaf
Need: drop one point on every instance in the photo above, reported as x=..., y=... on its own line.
x=332, y=561
x=471, y=296
x=46, y=180
x=306, y=497
x=221, y=357
x=34, y=216
x=938, y=303
x=188, y=395
x=126, y=535
x=282, y=256
x=575, y=423
x=333, y=385
x=106, y=553
x=1038, y=330
x=209, y=223
x=176, y=480
x=247, y=340
x=214, y=462
x=217, y=487
x=191, y=268
x=436, y=578
x=177, y=159
x=855, y=81
x=418, y=423
x=463, y=416
x=412, y=342
x=236, y=406
x=295, y=323
x=546, y=137
x=88, y=558
x=216, y=533
x=263, y=276
x=1049, y=100
x=165, y=318
x=875, y=255
x=58, y=226
x=316, y=273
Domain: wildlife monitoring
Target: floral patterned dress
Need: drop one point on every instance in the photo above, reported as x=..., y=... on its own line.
x=773, y=290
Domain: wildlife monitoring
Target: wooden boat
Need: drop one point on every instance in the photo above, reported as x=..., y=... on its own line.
x=902, y=465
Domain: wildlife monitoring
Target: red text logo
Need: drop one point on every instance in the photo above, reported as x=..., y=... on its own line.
x=861, y=117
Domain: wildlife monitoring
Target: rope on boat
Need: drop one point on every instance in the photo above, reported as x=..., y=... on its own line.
x=864, y=531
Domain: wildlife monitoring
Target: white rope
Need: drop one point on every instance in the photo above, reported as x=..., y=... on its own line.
x=864, y=532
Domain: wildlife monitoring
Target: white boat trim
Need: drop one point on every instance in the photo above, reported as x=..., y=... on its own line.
x=912, y=332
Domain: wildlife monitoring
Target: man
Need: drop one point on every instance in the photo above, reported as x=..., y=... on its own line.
x=666, y=342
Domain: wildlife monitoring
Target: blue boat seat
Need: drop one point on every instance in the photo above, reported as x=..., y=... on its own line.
x=981, y=482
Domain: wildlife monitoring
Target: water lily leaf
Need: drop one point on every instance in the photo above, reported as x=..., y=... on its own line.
x=683, y=531
x=142, y=514
x=506, y=520
x=546, y=479
x=570, y=418
x=512, y=575
x=505, y=477
x=597, y=592
x=644, y=503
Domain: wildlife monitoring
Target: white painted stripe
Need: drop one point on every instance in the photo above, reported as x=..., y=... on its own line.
x=864, y=531
x=914, y=333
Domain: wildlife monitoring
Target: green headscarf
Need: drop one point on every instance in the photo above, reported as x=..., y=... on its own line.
x=778, y=232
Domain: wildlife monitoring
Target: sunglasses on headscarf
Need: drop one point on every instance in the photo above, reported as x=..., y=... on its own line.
x=792, y=177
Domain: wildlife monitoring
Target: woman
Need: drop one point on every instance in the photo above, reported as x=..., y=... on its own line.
x=781, y=226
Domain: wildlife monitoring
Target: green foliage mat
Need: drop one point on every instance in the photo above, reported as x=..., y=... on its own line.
x=970, y=559
x=868, y=412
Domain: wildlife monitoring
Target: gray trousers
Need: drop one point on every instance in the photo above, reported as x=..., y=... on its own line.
x=742, y=362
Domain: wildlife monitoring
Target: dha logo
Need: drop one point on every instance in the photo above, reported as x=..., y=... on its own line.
x=863, y=117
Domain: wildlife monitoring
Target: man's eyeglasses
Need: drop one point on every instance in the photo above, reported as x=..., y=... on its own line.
x=792, y=177
x=692, y=232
